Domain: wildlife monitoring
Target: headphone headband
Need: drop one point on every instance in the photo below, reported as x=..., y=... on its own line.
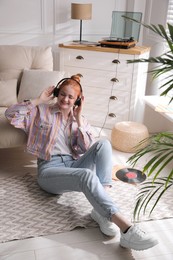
x=58, y=87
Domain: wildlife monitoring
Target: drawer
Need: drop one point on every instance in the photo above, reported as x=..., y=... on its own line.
x=124, y=82
x=90, y=60
x=102, y=79
x=123, y=66
x=93, y=78
x=110, y=122
x=101, y=120
x=121, y=102
x=100, y=101
x=97, y=60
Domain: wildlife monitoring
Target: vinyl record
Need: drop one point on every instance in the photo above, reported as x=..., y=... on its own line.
x=130, y=175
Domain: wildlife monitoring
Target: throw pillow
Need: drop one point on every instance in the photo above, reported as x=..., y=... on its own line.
x=33, y=82
x=8, y=92
x=15, y=58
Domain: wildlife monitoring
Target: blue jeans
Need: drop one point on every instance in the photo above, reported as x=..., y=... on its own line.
x=88, y=174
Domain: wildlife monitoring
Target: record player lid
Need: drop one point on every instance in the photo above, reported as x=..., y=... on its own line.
x=122, y=28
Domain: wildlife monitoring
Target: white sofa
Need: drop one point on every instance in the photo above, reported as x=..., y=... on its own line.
x=24, y=72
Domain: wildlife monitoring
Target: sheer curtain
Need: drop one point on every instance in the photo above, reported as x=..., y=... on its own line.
x=170, y=20
x=170, y=12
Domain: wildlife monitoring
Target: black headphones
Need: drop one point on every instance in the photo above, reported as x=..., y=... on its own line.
x=58, y=87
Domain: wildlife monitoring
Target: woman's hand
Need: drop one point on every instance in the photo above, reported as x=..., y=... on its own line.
x=45, y=96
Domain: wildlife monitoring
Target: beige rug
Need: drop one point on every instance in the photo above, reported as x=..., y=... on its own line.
x=27, y=211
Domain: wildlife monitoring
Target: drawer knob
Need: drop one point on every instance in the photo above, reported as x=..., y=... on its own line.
x=112, y=115
x=114, y=80
x=80, y=57
x=116, y=61
x=113, y=97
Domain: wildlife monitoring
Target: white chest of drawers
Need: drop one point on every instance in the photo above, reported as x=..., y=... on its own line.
x=113, y=89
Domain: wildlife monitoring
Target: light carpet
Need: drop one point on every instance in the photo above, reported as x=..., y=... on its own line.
x=27, y=211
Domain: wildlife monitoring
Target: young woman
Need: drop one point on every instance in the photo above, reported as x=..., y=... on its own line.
x=70, y=160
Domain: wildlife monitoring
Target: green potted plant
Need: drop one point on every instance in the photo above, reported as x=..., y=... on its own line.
x=159, y=147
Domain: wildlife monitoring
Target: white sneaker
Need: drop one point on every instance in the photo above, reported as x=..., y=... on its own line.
x=107, y=227
x=137, y=239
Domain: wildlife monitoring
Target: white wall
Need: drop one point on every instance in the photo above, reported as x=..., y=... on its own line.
x=36, y=22
x=48, y=22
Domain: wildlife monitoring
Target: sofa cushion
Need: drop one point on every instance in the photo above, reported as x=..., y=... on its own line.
x=33, y=82
x=14, y=58
x=10, y=136
x=8, y=92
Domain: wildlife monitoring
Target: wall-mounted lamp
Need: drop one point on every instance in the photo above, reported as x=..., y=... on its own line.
x=81, y=12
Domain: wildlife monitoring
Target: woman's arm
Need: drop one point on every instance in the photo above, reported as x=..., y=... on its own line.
x=82, y=137
x=45, y=96
x=21, y=115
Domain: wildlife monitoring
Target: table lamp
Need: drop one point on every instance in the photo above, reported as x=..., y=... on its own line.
x=81, y=12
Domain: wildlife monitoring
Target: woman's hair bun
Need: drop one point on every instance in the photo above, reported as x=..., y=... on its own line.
x=77, y=77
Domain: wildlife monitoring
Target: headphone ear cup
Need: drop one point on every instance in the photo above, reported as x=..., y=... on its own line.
x=77, y=102
x=56, y=92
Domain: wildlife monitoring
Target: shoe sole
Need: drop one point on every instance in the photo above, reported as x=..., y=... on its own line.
x=125, y=244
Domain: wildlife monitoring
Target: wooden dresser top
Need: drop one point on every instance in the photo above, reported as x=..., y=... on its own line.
x=132, y=51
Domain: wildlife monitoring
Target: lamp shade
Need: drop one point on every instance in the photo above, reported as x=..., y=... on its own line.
x=81, y=11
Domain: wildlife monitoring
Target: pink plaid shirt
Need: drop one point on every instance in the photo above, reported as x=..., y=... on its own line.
x=41, y=124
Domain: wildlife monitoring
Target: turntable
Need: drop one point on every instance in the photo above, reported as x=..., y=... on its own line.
x=122, y=43
x=124, y=33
